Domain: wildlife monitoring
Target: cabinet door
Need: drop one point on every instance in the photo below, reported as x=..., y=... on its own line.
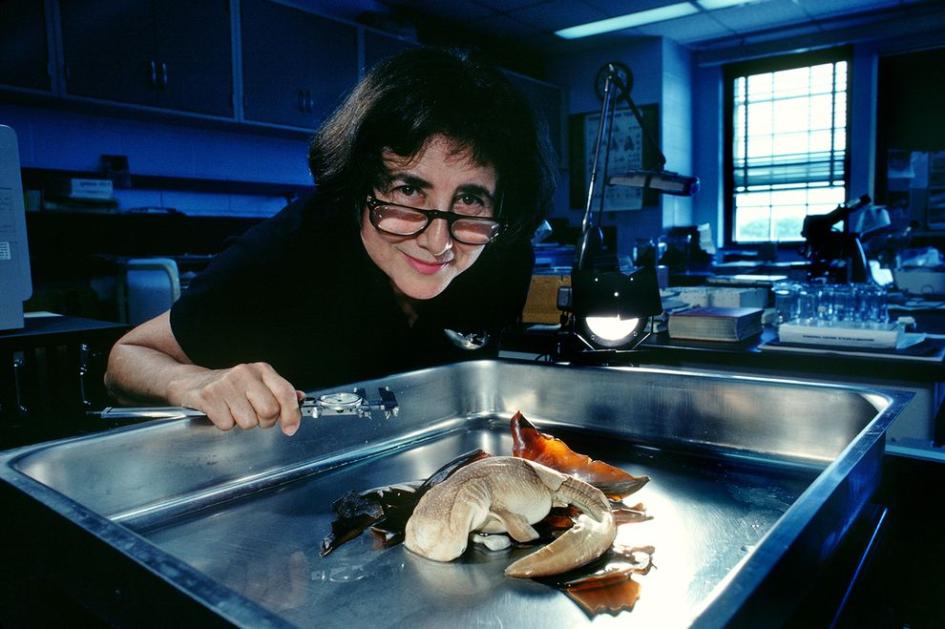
x=378, y=47
x=194, y=53
x=296, y=66
x=24, y=55
x=108, y=47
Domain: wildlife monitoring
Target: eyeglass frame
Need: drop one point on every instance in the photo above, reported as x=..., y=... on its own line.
x=448, y=215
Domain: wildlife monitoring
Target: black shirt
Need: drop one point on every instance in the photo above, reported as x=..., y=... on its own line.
x=299, y=291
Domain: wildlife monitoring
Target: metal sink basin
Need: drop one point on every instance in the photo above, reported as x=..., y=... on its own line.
x=753, y=480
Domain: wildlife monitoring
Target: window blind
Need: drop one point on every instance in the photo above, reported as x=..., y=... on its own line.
x=789, y=133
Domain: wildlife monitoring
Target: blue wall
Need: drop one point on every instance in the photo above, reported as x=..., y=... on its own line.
x=662, y=74
x=676, y=123
x=707, y=136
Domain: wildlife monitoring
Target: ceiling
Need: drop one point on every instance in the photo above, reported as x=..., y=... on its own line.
x=531, y=23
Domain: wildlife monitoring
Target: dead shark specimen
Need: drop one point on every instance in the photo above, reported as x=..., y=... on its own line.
x=507, y=495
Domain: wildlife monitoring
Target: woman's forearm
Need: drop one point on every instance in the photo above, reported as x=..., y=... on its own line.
x=139, y=374
x=147, y=365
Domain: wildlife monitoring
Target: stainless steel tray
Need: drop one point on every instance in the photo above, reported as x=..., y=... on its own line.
x=751, y=479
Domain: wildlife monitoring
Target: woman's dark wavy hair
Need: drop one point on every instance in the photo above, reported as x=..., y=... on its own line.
x=406, y=99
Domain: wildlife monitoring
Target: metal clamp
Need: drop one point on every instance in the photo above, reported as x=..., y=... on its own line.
x=330, y=404
x=351, y=403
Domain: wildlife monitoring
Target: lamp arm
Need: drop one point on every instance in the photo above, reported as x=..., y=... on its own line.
x=590, y=238
x=606, y=113
x=614, y=89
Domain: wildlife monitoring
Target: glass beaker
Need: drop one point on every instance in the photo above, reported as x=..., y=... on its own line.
x=825, y=305
x=873, y=305
x=807, y=304
x=845, y=303
x=785, y=300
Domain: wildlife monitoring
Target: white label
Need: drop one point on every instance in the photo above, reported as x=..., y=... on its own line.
x=6, y=251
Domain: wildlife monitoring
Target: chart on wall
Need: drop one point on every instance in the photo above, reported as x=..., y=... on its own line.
x=625, y=154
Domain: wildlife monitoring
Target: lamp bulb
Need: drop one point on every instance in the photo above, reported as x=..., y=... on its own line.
x=611, y=328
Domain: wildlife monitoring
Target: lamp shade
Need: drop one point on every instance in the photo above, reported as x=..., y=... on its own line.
x=608, y=293
x=611, y=308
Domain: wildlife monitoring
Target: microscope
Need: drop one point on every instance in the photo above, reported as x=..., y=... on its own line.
x=836, y=255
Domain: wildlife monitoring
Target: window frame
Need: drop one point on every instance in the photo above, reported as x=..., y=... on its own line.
x=760, y=66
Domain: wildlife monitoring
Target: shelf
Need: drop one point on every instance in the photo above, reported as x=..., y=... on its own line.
x=40, y=178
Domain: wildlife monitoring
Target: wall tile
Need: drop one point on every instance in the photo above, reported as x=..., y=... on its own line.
x=250, y=157
x=250, y=205
x=158, y=149
x=63, y=140
x=196, y=203
x=128, y=199
x=18, y=119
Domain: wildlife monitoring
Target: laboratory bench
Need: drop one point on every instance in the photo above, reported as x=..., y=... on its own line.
x=51, y=373
x=919, y=370
x=160, y=518
x=886, y=573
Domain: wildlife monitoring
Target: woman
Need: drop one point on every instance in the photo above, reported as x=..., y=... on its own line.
x=430, y=178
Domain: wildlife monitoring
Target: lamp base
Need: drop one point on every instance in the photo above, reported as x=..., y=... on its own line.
x=608, y=357
x=573, y=345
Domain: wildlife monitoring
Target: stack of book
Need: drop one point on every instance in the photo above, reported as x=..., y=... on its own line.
x=722, y=296
x=715, y=324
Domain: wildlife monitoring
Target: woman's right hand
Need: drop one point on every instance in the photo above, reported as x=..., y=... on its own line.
x=247, y=395
x=148, y=364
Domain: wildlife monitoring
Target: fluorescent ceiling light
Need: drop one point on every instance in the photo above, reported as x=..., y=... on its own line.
x=630, y=20
x=712, y=5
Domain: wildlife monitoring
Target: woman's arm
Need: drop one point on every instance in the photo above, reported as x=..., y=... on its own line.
x=148, y=364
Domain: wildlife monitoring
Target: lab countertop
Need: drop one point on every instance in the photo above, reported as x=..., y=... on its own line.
x=660, y=348
x=899, y=585
x=51, y=329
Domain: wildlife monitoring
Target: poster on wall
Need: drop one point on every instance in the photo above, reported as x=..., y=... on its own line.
x=625, y=154
x=628, y=151
x=915, y=186
x=936, y=206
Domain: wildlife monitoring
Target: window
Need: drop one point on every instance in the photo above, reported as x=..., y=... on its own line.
x=787, y=138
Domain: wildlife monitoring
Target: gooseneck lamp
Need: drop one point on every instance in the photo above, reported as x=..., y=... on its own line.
x=606, y=310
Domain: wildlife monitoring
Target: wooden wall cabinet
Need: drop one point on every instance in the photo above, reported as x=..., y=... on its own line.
x=294, y=67
x=24, y=48
x=545, y=98
x=159, y=53
x=378, y=47
x=297, y=67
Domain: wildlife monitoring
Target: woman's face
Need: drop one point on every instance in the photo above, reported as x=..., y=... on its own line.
x=437, y=177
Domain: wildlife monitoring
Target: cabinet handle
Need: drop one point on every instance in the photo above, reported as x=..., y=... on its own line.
x=85, y=359
x=19, y=384
x=301, y=95
x=163, y=75
x=311, y=102
x=153, y=73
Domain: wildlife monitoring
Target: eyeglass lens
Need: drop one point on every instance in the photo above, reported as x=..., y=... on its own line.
x=405, y=221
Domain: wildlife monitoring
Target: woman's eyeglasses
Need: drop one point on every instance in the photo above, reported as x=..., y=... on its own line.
x=401, y=220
